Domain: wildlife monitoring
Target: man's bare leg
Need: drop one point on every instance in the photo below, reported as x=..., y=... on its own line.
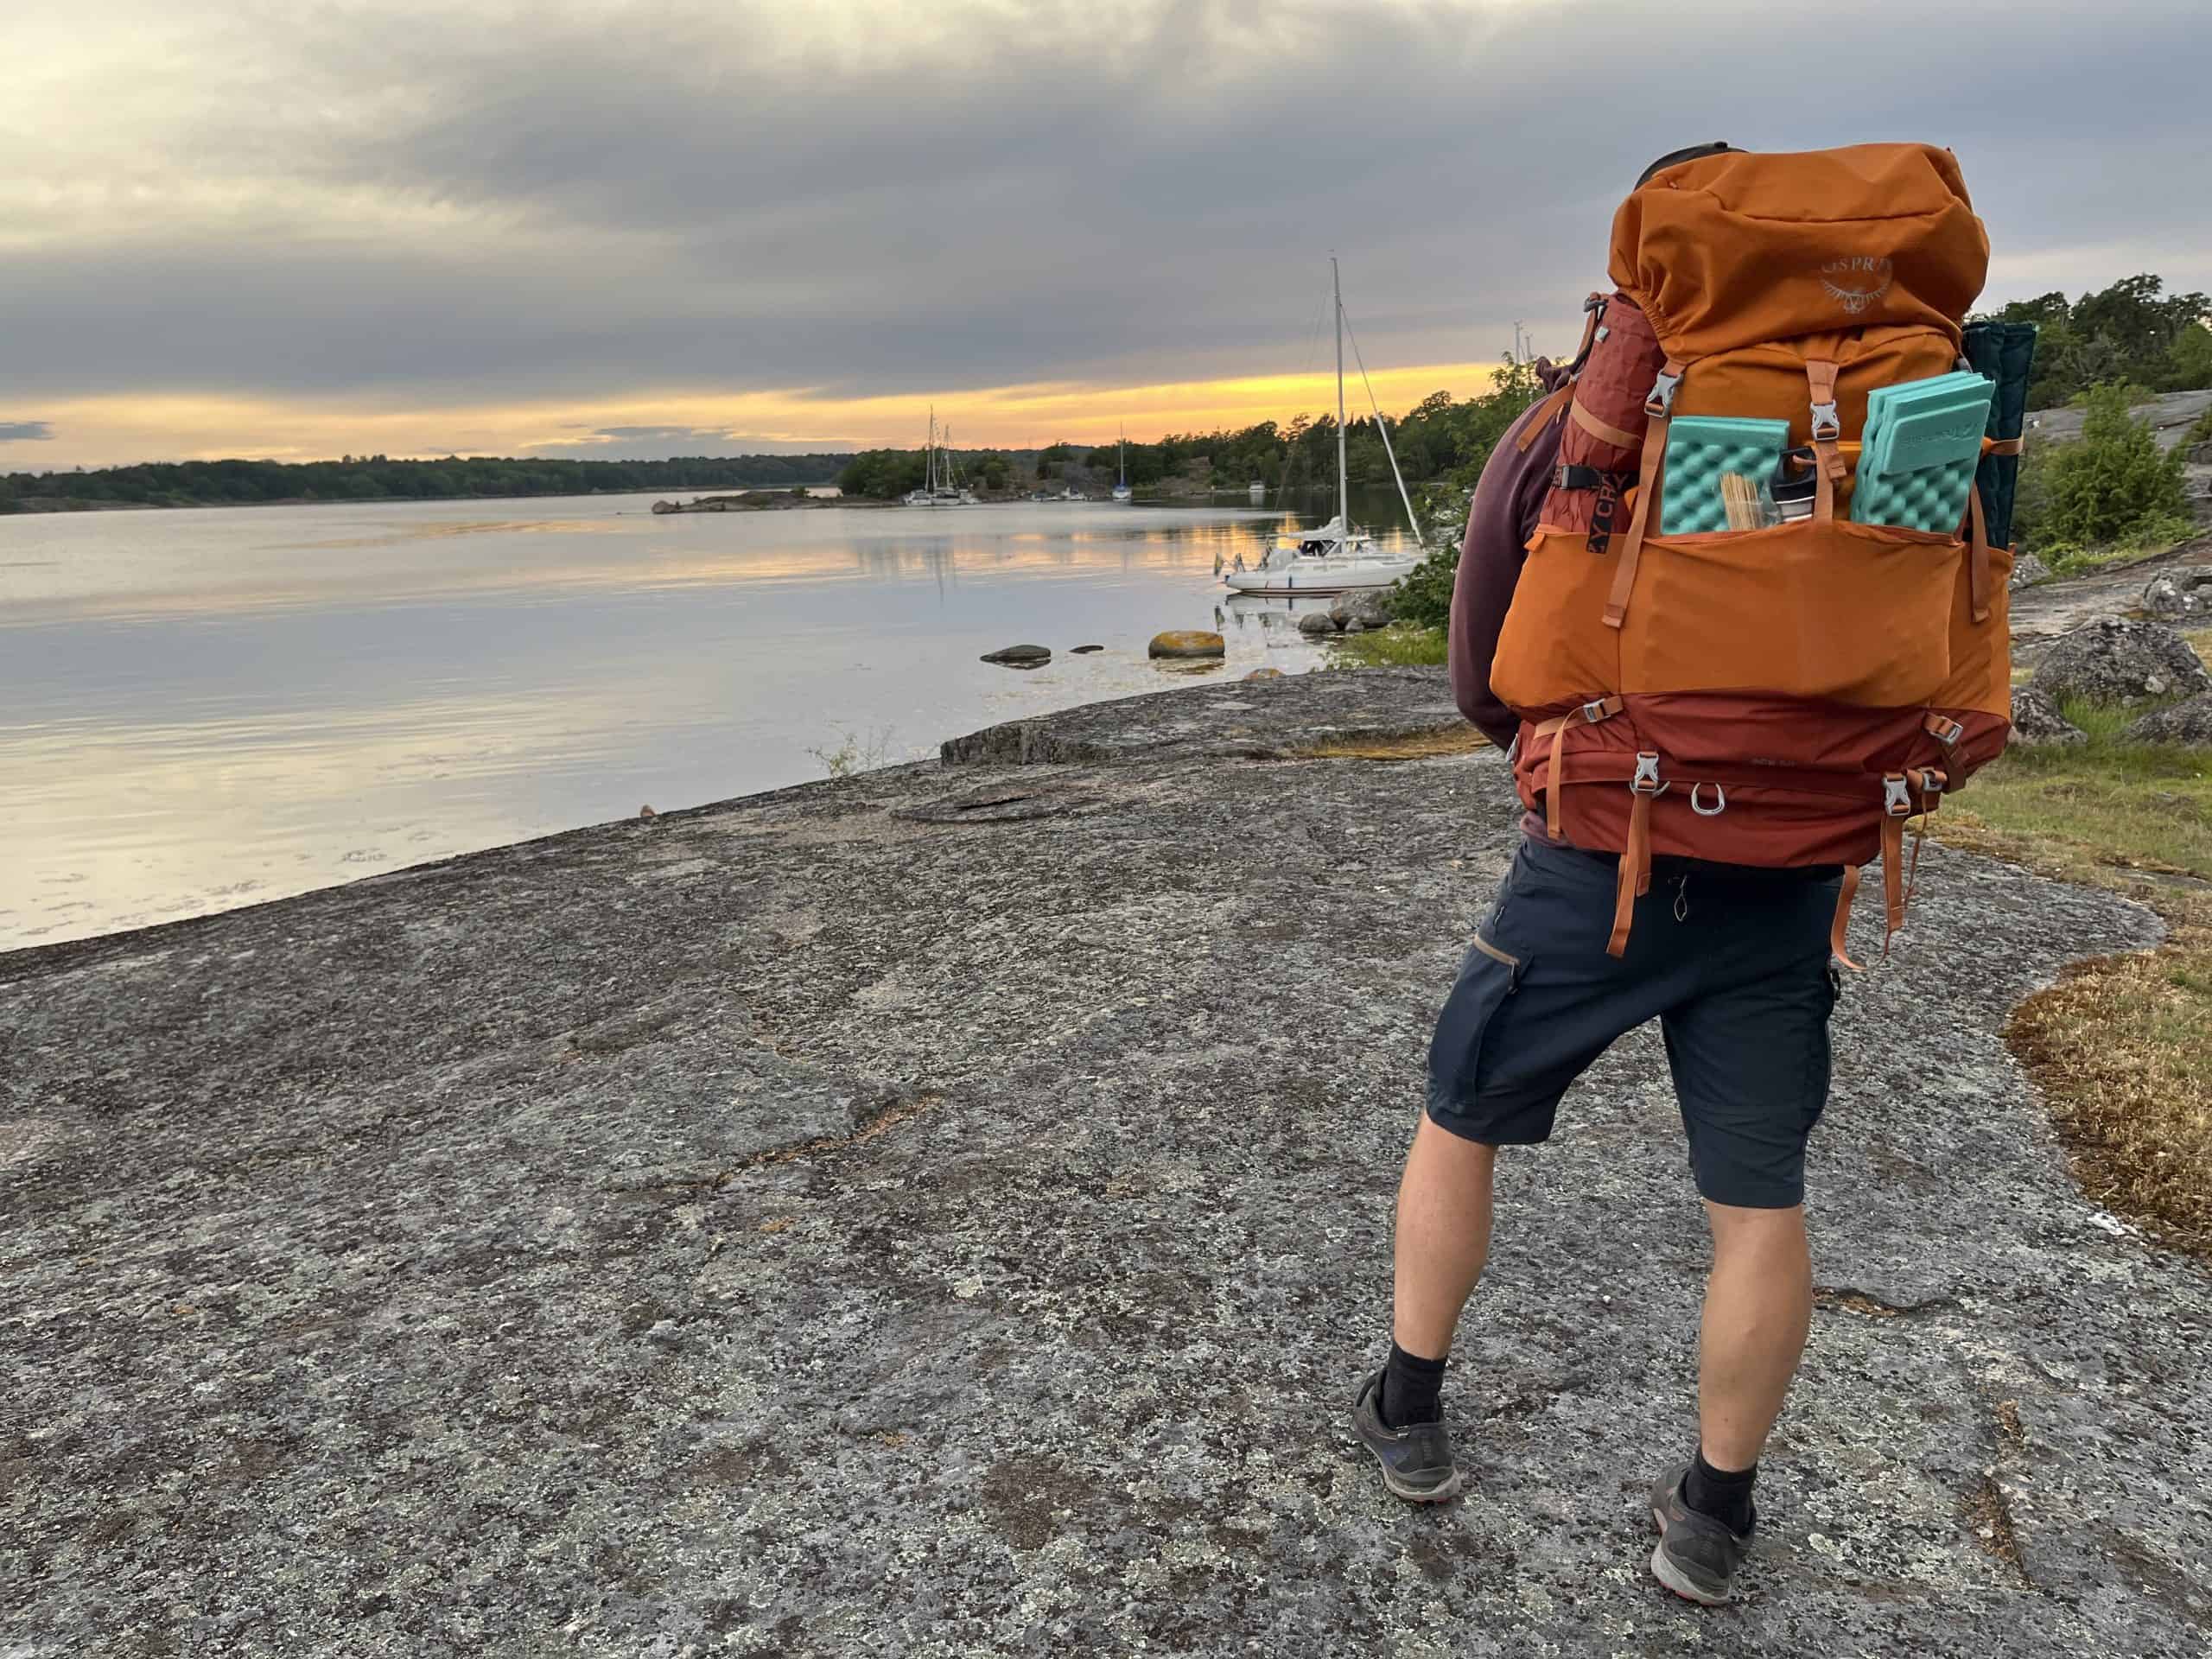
x=1443, y=1237
x=1758, y=1306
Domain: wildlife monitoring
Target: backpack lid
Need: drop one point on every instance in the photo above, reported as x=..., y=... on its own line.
x=1725, y=250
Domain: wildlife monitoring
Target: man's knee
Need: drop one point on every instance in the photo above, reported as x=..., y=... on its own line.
x=1754, y=1234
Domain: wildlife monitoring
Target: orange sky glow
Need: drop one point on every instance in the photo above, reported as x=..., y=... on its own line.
x=116, y=430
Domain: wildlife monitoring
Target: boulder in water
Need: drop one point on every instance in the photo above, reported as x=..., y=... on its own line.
x=1020, y=657
x=1081, y=651
x=1317, y=624
x=1186, y=642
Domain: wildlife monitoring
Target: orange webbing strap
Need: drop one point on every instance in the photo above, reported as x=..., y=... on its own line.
x=1605, y=431
x=1827, y=428
x=1657, y=407
x=1548, y=411
x=1636, y=873
x=1840, y=932
x=1928, y=782
x=2003, y=446
x=1942, y=729
x=1554, y=728
x=1978, y=555
x=1892, y=880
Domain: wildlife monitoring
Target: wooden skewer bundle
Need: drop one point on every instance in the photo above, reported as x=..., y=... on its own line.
x=1741, y=499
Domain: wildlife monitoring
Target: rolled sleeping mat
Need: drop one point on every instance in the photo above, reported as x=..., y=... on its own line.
x=2006, y=352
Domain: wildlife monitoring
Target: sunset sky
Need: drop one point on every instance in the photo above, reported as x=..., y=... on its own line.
x=614, y=229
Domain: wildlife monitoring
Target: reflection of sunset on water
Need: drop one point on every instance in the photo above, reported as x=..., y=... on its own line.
x=214, y=708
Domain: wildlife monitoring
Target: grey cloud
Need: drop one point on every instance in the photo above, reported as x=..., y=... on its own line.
x=1038, y=197
x=23, y=431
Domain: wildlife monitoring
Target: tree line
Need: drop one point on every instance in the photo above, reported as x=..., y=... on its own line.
x=378, y=477
x=2133, y=334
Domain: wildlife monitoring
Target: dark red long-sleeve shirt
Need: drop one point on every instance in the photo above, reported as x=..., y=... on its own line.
x=1507, y=503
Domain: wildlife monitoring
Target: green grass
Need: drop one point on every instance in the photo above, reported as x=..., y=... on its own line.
x=1399, y=645
x=2155, y=537
x=2127, y=806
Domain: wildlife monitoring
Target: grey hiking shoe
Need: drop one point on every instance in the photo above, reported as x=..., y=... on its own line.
x=1697, y=1556
x=1416, y=1459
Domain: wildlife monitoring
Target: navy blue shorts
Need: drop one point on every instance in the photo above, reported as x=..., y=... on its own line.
x=1732, y=962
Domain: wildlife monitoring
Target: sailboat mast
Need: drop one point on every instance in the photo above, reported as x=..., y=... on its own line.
x=1344, y=499
x=929, y=454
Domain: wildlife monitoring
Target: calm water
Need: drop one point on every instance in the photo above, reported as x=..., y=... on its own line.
x=200, y=709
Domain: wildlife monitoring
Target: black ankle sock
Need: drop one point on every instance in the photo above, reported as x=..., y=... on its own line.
x=1410, y=1387
x=1724, y=1494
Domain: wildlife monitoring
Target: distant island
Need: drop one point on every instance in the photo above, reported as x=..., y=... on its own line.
x=375, y=478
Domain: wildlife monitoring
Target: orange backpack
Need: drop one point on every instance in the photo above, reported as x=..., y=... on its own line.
x=1781, y=697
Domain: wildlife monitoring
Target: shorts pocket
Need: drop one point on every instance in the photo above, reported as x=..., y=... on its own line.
x=1487, y=978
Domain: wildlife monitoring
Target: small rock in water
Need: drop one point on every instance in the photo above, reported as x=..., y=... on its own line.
x=1317, y=623
x=1020, y=657
x=1265, y=674
x=1081, y=650
x=647, y=812
x=1186, y=642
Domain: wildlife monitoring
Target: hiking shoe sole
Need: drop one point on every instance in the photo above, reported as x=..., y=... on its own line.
x=1416, y=1460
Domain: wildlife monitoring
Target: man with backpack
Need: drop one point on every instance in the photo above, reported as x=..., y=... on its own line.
x=1714, y=723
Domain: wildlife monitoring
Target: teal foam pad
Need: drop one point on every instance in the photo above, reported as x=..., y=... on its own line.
x=1922, y=448
x=1702, y=448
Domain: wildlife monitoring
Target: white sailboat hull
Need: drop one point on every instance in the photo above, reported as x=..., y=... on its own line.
x=1320, y=575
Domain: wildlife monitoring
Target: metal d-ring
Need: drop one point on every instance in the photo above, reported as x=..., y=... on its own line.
x=1719, y=801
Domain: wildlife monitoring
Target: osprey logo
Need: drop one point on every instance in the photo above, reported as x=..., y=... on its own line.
x=1856, y=282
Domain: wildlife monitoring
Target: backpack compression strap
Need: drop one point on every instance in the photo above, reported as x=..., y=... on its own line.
x=1657, y=408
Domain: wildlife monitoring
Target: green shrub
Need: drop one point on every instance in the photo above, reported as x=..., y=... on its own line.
x=2110, y=488
x=2200, y=433
x=1423, y=595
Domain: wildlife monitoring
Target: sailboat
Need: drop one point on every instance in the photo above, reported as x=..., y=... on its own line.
x=1332, y=558
x=1122, y=492
x=940, y=487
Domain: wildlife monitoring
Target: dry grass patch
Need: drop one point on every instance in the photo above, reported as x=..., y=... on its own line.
x=1460, y=739
x=2122, y=1045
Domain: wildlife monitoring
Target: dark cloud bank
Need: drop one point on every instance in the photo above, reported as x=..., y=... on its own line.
x=645, y=199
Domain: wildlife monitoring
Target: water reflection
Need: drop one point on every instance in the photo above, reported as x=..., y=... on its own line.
x=205, y=709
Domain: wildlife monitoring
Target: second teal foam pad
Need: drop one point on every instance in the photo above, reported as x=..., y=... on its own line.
x=1923, y=447
x=1699, y=449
